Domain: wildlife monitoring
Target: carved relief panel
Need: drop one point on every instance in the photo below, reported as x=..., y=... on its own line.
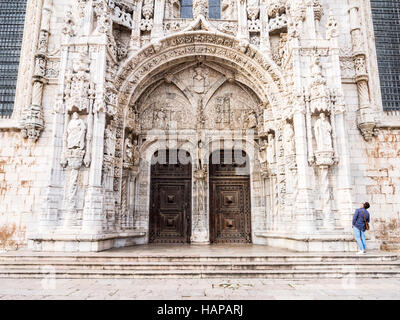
x=167, y=108
x=231, y=107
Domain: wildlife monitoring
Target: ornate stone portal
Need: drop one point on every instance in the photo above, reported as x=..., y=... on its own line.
x=127, y=89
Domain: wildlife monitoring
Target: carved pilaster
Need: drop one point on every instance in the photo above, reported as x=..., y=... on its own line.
x=366, y=118
x=32, y=123
x=200, y=229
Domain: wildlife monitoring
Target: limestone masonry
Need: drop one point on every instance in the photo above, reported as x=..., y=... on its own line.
x=105, y=87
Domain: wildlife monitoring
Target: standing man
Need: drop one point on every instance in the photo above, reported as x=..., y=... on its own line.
x=360, y=219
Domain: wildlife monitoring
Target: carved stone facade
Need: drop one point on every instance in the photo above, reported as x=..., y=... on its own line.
x=290, y=83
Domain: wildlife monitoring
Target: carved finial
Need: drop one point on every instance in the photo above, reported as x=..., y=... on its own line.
x=331, y=26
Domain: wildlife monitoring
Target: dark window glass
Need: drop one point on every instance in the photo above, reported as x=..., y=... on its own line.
x=12, y=18
x=386, y=17
x=186, y=9
x=214, y=9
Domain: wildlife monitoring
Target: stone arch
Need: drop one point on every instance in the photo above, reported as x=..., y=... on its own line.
x=150, y=147
x=249, y=64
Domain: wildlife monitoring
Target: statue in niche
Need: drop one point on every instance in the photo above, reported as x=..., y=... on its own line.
x=132, y=155
x=128, y=157
x=323, y=133
x=110, y=141
x=271, y=149
x=316, y=69
x=262, y=154
x=228, y=10
x=135, y=153
x=76, y=131
x=288, y=140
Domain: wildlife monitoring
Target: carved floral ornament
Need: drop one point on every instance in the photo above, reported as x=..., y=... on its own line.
x=261, y=71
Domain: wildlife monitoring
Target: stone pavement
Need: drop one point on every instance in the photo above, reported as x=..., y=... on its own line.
x=215, y=289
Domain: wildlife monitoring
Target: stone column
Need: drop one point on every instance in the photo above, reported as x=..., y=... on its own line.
x=311, y=32
x=344, y=187
x=328, y=217
x=49, y=218
x=342, y=152
x=157, y=31
x=134, y=43
x=243, y=32
x=305, y=220
x=200, y=234
x=304, y=209
x=264, y=32
x=93, y=211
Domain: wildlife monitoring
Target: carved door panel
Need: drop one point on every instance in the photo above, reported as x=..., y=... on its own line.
x=170, y=203
x=230, y=211
x=169, y=213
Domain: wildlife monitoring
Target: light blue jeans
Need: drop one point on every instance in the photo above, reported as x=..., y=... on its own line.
x=360, y=238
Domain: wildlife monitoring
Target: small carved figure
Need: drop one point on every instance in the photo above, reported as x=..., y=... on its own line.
x=110, y=141
x=271, y=149
x=262, y=154
x=135, y=153
x=323, y=133
x=288, y=140
x=76, y=131
x=128, y=158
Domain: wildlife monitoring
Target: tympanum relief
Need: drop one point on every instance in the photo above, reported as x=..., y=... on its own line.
x=199, y=97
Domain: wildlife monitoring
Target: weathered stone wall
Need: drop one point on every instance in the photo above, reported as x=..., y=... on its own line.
x=23, y=178
x=383, y=186
x=24, y=163
x=375, y=168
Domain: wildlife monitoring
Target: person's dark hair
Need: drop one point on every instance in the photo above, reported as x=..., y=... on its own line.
x=366, y=205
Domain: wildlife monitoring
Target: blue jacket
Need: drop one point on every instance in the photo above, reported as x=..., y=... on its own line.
x=358, y=219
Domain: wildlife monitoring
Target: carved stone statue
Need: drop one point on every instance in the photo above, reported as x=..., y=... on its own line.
x=110, y=141
x=323, y=133
x=288, y=140
x=135, y=153
x=262, y=155
x=271, y=149
x=76, y=131
x=128, y=157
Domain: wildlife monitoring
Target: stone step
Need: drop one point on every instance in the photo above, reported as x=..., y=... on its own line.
x=187, y=258
x=162, y=274
x=112, y=265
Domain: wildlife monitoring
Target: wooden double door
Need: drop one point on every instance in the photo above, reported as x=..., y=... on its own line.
x=230, y=209
x=170, y=203
x=229, y=199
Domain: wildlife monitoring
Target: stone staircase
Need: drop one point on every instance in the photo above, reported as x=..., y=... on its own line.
x=175, y=265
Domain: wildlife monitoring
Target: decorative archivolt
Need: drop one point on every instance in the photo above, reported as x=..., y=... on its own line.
x=262, y=73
